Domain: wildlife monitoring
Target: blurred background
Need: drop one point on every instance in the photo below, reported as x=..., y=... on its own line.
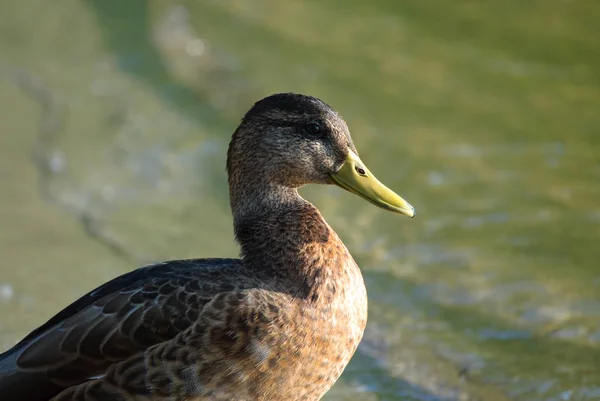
x=116, y=115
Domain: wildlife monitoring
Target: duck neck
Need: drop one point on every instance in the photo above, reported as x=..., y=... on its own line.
x=250, y=201
x=285, y=236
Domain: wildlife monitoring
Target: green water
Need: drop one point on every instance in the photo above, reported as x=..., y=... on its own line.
x=485, y=115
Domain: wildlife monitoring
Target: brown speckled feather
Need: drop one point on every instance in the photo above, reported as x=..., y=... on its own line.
x=256, y=343
x=281, y=323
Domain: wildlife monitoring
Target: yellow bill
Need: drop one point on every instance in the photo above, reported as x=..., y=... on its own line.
x=354, y=177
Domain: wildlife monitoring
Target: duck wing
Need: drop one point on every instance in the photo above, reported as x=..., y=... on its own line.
x=113, y=322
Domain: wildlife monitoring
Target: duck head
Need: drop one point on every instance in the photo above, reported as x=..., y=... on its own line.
x=289, y=140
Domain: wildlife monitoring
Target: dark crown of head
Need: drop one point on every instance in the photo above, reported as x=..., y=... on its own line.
x=288, y=103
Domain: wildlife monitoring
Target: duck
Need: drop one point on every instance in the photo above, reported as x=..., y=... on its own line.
x=281, y=322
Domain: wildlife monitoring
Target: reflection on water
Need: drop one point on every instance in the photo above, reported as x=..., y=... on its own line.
x=483, y=115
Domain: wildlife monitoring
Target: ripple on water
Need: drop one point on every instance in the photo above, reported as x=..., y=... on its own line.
x=6, y=292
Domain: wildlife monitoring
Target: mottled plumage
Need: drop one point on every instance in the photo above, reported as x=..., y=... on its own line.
x=280, y=323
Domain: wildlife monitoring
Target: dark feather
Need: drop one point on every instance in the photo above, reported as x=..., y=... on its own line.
x=111, y=323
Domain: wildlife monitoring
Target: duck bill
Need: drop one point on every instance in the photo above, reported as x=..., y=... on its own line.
x=355, y=177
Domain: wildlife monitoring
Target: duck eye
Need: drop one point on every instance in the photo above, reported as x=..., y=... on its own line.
x=313, y=128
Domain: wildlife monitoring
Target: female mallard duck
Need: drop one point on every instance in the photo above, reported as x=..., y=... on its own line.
x=281, y=323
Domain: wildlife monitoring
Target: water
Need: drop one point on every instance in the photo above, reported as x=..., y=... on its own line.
x=116, y=117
